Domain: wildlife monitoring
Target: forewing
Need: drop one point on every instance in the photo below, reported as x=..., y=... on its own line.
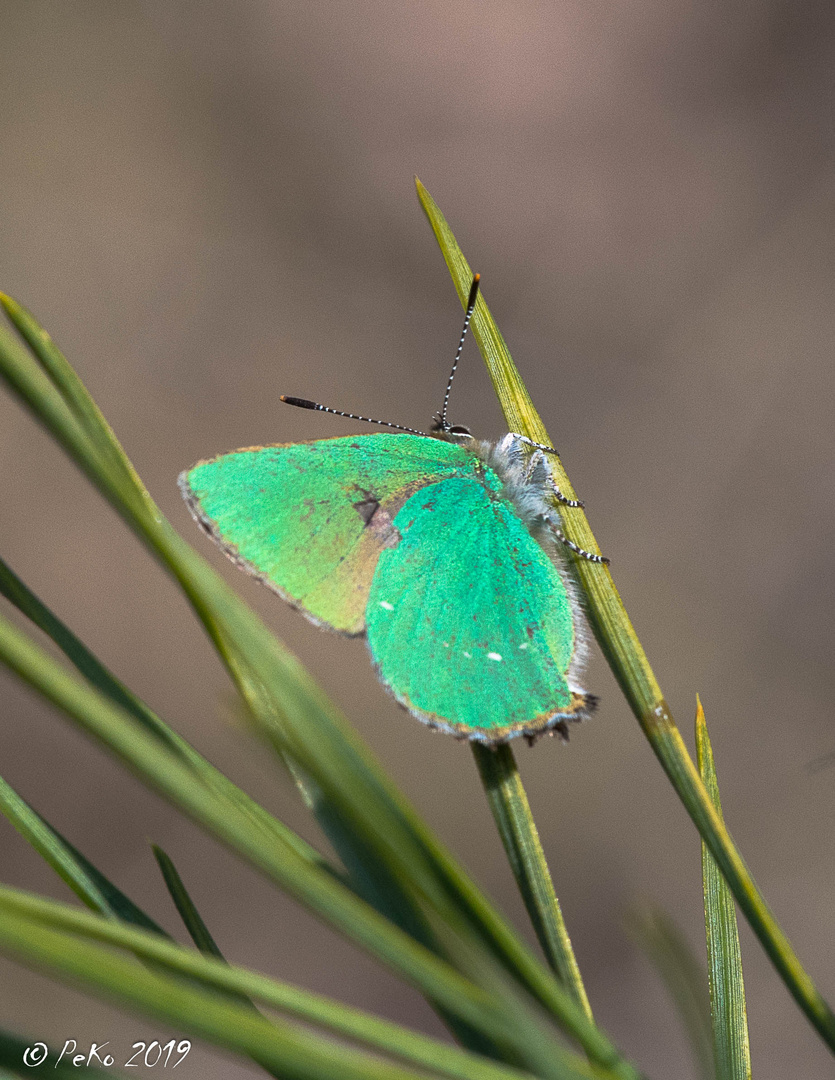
x=469, y=620
x=311, y=519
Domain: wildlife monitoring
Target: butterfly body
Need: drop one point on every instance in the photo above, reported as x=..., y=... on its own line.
x=437, y=547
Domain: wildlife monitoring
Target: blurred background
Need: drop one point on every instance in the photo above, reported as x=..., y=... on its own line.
x=210, y=205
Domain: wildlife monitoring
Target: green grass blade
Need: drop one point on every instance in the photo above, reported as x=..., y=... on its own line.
x=28, y=381
x=198, y=931
x=19, y=594
x=624, y=652
x=88, y=883
x=373, y=881
x=73, y=393
x=682, y=974
x=464, y=952
x=302, y=722
x=270, y=680
x=313, y=887
x=292, y=1001
x=370, y=876
x=517, y=829
x=292, y=1054
x=724, y=959
x=468, y=899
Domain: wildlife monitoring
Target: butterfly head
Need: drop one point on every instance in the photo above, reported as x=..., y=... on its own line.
x=450, y=432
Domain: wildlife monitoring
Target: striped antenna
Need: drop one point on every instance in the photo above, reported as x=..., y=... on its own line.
x=303, y=403
x=443, y=423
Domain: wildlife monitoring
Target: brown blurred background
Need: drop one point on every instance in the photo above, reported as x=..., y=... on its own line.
x=212, y=204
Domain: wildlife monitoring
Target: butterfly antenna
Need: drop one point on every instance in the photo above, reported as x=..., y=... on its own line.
x=471, y=299
x=303, y=403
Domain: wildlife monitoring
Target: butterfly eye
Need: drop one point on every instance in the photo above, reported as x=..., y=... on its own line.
x=460, y=431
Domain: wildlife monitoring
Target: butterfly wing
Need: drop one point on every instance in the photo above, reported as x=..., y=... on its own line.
x=310, y=520
x=469, y=620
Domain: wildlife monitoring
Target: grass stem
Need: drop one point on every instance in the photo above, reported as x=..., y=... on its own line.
x=508, y=801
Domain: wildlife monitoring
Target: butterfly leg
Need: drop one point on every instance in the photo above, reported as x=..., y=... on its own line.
x=563, y=498
x=533, y=462
x=589, y=556
x=536, y=445
x=538, y=458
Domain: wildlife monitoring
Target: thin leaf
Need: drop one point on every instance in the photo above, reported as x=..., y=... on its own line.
x=314, y=887
x=88, y=883
x=19, y=594
x=72, y=392
x=559, y=1001
x=198, y=931
x=90, y=667
x=293, y=1055
x=624, y=652
x=724, y=958
x=337, y=1018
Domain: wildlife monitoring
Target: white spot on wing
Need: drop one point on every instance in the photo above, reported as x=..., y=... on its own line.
x=386, y=606
x=524, y=645
x=469, y=656
x=494, y=656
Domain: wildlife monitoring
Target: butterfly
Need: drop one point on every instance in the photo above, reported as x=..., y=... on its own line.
x=445, y=551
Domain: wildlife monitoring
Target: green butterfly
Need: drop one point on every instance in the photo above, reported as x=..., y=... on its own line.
x=443, y=550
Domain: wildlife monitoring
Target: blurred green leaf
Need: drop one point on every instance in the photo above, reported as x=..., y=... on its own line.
x=67, y=923
x=523, y=1034
x=88, y=883
x=19, y=594
x=215, y=1019
x=198, y=931
x=684, y=977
